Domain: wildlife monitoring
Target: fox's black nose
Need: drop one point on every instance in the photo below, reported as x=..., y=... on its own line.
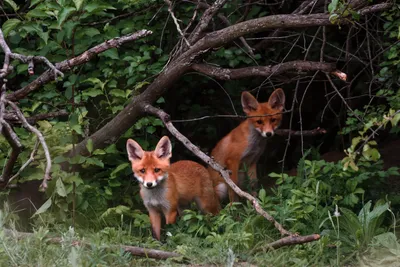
x=268, y=134
x=149, y=184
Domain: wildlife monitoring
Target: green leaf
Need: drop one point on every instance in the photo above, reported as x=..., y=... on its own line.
x=90, y=32
x=95, y=6
x=89, y=145
x=78, y=4
x=34, y=2
x=262, y=194
x=111, y=53
x=61, y=188
x=118, y=93
x=151, y=129
x=43, y=208
x=395, y=119
x=10, y=25
x=37, y=13
x=64, y=13
x=120, y=167
x=99, y=152
x=92, y=92
x=12, y=4
x=95, y=161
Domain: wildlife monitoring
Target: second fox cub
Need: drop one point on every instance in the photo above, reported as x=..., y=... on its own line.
x=246, y=143
x=166, y=188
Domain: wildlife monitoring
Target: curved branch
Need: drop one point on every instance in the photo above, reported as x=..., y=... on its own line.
x=264, y=71
x=40, y=137
x=79, y=60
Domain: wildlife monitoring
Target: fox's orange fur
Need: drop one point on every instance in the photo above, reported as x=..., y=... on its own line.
x=246, y=143
x=165, y=188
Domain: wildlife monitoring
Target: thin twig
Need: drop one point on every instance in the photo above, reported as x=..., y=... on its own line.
x=39, y=135
x=216, y=166
x=178, y=28
x=26, y=164
x=344, y=100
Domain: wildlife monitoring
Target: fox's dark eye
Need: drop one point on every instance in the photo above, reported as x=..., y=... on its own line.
x=143, y=170
x=259, y=122
x=156, y=170
x=273, y=120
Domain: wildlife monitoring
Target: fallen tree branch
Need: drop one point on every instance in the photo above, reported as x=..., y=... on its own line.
x=216, y=166
x=264, y=71
x=79, y=60
x=39, y=135
x=135, y=251
x=293, y=240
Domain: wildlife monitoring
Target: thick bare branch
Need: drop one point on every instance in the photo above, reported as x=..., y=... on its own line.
x=264, y=71
x=216, y=166
x=79, y=60
x=39, y=135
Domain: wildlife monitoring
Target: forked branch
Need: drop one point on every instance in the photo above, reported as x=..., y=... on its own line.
x=79, y=60
x=40, y=137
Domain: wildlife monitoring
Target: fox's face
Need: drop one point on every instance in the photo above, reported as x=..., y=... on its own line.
x=265, y=125
x=150, y=167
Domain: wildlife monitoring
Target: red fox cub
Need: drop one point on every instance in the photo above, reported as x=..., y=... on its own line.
x=246, y=143
x=166, y=188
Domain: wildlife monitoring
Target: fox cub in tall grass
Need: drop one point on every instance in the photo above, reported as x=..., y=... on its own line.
x=246, y=143
x=166, y=188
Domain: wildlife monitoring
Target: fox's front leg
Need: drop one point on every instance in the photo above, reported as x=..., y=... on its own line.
x=253, y=178
x=155, y=220
x=233, y=166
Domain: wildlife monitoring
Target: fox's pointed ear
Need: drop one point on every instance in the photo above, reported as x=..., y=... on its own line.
x=277, y=99
x=249, y=102
x=164, y=148
x=135, y=151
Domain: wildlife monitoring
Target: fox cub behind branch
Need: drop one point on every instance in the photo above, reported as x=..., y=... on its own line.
x=246, y=143
x=166, y=188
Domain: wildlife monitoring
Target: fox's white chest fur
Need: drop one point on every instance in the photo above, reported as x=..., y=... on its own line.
x=155, y=198
x=255, y=148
